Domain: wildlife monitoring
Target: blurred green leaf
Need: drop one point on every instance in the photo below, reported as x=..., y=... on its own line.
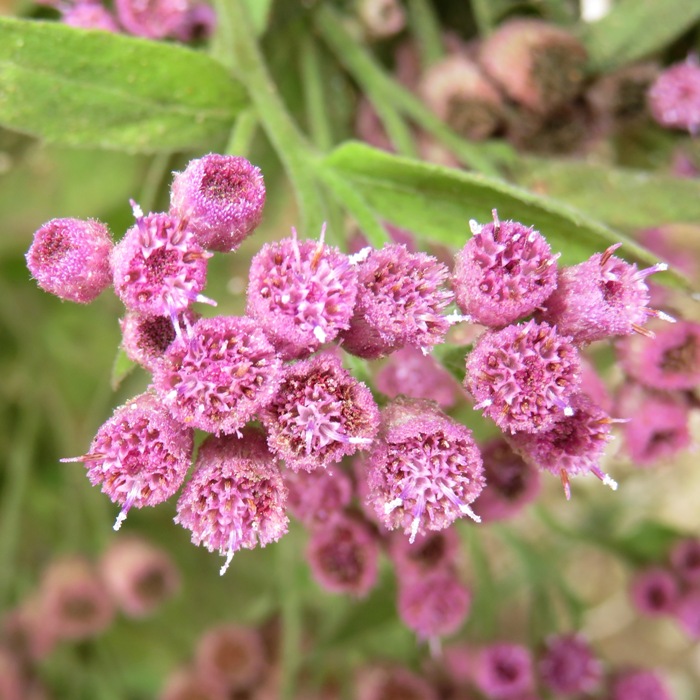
x=634, y=29
x=259, y=12
x=93, y=88
x=121, y=369
x=648, y=543
x=436, y=203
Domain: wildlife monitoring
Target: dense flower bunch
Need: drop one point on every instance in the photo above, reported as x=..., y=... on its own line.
x=270, y=387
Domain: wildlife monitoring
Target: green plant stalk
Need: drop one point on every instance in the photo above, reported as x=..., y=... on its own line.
x=426, y=29
x=320, y=127
x=242, y=134
x=292, y=148
x=153, y=181
x=291, y=620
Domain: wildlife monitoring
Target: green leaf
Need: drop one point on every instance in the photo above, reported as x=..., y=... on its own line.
x=436, y=204
x=636, y=28
x=93, y=88
x=259, y=12
x=648, y=543
x=121, y=369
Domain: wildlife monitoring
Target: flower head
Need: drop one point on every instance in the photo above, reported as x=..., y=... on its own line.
x=601, y=298
x=199, y=23
x=523, y=376
x=674, y=98
x=343, y=555
x=155, y=19
x=70, y=258
x=302, y=294
x=140, y=455
x=400, y=300
x=655, y=591
x=504, y=671
x=220, y=375
x=236, y=496
x=158, y=267
x=569, y=666
x=639, y=685
x=315, y=496
x=88, y=14
x=221, y=198
x=385, y=683
x=138, y=575
x=685, y=560
x=424, y=470
x=320, y=414
x=687, y=612
x=433, y=550
x=503, y=273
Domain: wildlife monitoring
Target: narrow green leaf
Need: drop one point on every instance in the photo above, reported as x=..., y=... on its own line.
x=93, y=88
x=436, y=204
x=121, y=369
x=636, y=28
x=259, y=12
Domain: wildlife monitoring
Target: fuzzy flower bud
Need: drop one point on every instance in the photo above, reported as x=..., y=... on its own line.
x=457, y=91
x=523, y=376
x=436, y=549
x=158, y=267
x=154, y=19
x=88, y=14
x=572, y=446
x=320, y=414
x=424, y=470
x=504, y=671
x=301, y=294
x=538, y=65
x=379, y=683
x=70, y=258
x=568, y=665
x=236, y=496
x=674, y=99
x=140, y=455
x=220, y=376
x=221, y=198
x=343, y=555
x=685, y=560
x=639, y=685
x=315, y=496
x=139, y=576
x=503, y=273
x=655, y=592
x=601, y=298
x=400, y=300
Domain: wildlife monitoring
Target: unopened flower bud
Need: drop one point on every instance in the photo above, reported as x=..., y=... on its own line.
x=674, y=98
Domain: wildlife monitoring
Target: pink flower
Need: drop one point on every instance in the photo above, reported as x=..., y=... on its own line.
x=199, y=23
x=70, y=258
x=425, y=469
x=504, y=671
x=343, y=555
x=220, y=375
x=12, y=683
x=685, y=560
x=316, y=496
x=568, y=665
x=159, y=269
x=320, y=414
x=655, y=592
x=236, y=496
x=302, y=295
x=400, y=300
x=140, y=455
x=639, y=685
x=523, y=376
x=674, y=99
x=221, y=199
x=153, y=19
x=385, y=683
x=503, y=273
x=88, y=14
x=139, y=576
x=601, y=298
x=436, y=549
x=687, y=612
x=572, y=446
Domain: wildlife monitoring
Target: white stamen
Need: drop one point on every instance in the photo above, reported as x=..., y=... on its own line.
x=360, y=256
x=136, y=209
x=320, y=334
x=120, y=519
x=609, y=481
x=415, y=524
x=285, y=298
x=665, y=317
x=205, y=300
x=229, y=557
x=484, y=404
x=464, y=508
x=458, y=318
x=392, y=505
x=568, y=411
x=475, y=227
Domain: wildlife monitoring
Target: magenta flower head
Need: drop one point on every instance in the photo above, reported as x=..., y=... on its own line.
x=315, y=496
x=511, y=482
x=424, y=470
x=231, y=657
x=88, y=14
x=220, y=376
x=301, y=294
x=320, y=414
x=236, y=496
x=687, y=613
x=74, y=601
x=434, y=605
x=70, y=258
x=639, y=685
x=411, y=373
x=571, y=447
x=343, y=555
x=400, y=300
x=569, y=666
x=199, y=23
x=523, y=376
x=658, y=427
x=655, y=592
x=503, y=273
x=670, y=360
x=140, y=455
x=436, y=549
x=158, y=267
x=601, y=298
x=155, y=19
x=221, y=198
x=145, y=339
x=139, y=576
x=674, y=99
x=504, y=671
x=385, y=683
x=685, y=560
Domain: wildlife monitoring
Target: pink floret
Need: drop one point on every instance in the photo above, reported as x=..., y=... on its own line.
x=685, y=560
x=315, y=496
x=655, y=591
x=674, y=99
x=568, y=665
x=152, y=19
x=89, y=14
x=504, y=671
x=639, y=685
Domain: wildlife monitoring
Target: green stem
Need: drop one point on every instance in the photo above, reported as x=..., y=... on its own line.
x=293, y=150
x=481, y=10
x=291, y=620
x=243, y=133
x=153, y=181
x=314, y=95
x=425, y=27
